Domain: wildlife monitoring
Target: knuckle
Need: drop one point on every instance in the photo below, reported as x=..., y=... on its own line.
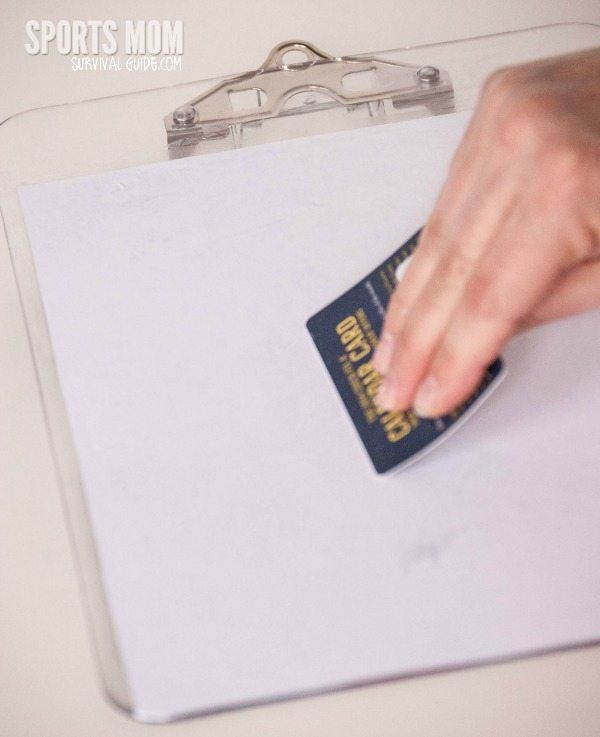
x=482, y=299
x=502, y=82
x=565, y=168
x=527, y=119
x=456, y=267
x=568, y=160
x=563, y=183
x=433, y=232
x=409, y=342
x=397, y=311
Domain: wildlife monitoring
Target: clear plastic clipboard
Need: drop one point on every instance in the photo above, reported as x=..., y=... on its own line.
x=111, y=133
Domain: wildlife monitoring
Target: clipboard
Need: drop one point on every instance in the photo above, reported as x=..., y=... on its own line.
x=187, y=120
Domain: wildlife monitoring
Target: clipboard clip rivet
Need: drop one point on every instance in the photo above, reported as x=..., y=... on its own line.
x=428, y=75
x=184, y=115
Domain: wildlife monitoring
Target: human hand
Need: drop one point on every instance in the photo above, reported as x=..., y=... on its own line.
x=514, y=239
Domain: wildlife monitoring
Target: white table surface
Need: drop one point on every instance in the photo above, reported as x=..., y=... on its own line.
x=48, y=682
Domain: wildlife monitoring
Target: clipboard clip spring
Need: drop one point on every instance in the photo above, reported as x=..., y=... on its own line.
x=297, y=78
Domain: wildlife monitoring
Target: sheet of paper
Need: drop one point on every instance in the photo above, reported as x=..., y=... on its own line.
x=247, y=548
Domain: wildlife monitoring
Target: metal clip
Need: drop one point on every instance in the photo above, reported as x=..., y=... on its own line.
x=298, y=78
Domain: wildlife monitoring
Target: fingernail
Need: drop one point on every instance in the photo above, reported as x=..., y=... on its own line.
x=383, y=353
x=426, y=399
x=386, y=396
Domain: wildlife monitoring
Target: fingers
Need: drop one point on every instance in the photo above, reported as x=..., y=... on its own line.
x=493, y=305
x=457, y=367
x=510, y=242
x=424, y=264
x=578, y=290
x=419, y=330
x=432, y=243
x=472, y=204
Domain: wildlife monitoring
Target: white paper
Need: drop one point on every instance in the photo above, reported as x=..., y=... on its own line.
x=248, y=550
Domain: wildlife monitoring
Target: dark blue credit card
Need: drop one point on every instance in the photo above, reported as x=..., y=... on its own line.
x=346, y=333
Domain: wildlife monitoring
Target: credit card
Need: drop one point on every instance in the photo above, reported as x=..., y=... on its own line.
x=346, y=333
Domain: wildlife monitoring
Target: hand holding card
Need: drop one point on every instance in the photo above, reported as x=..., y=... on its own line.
x=346, y=335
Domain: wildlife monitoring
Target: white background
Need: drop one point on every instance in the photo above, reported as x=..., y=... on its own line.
x=48, y=685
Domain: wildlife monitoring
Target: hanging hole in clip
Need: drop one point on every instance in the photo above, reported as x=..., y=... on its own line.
x=296, y=59
x=249, y=99
x=359, y=81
